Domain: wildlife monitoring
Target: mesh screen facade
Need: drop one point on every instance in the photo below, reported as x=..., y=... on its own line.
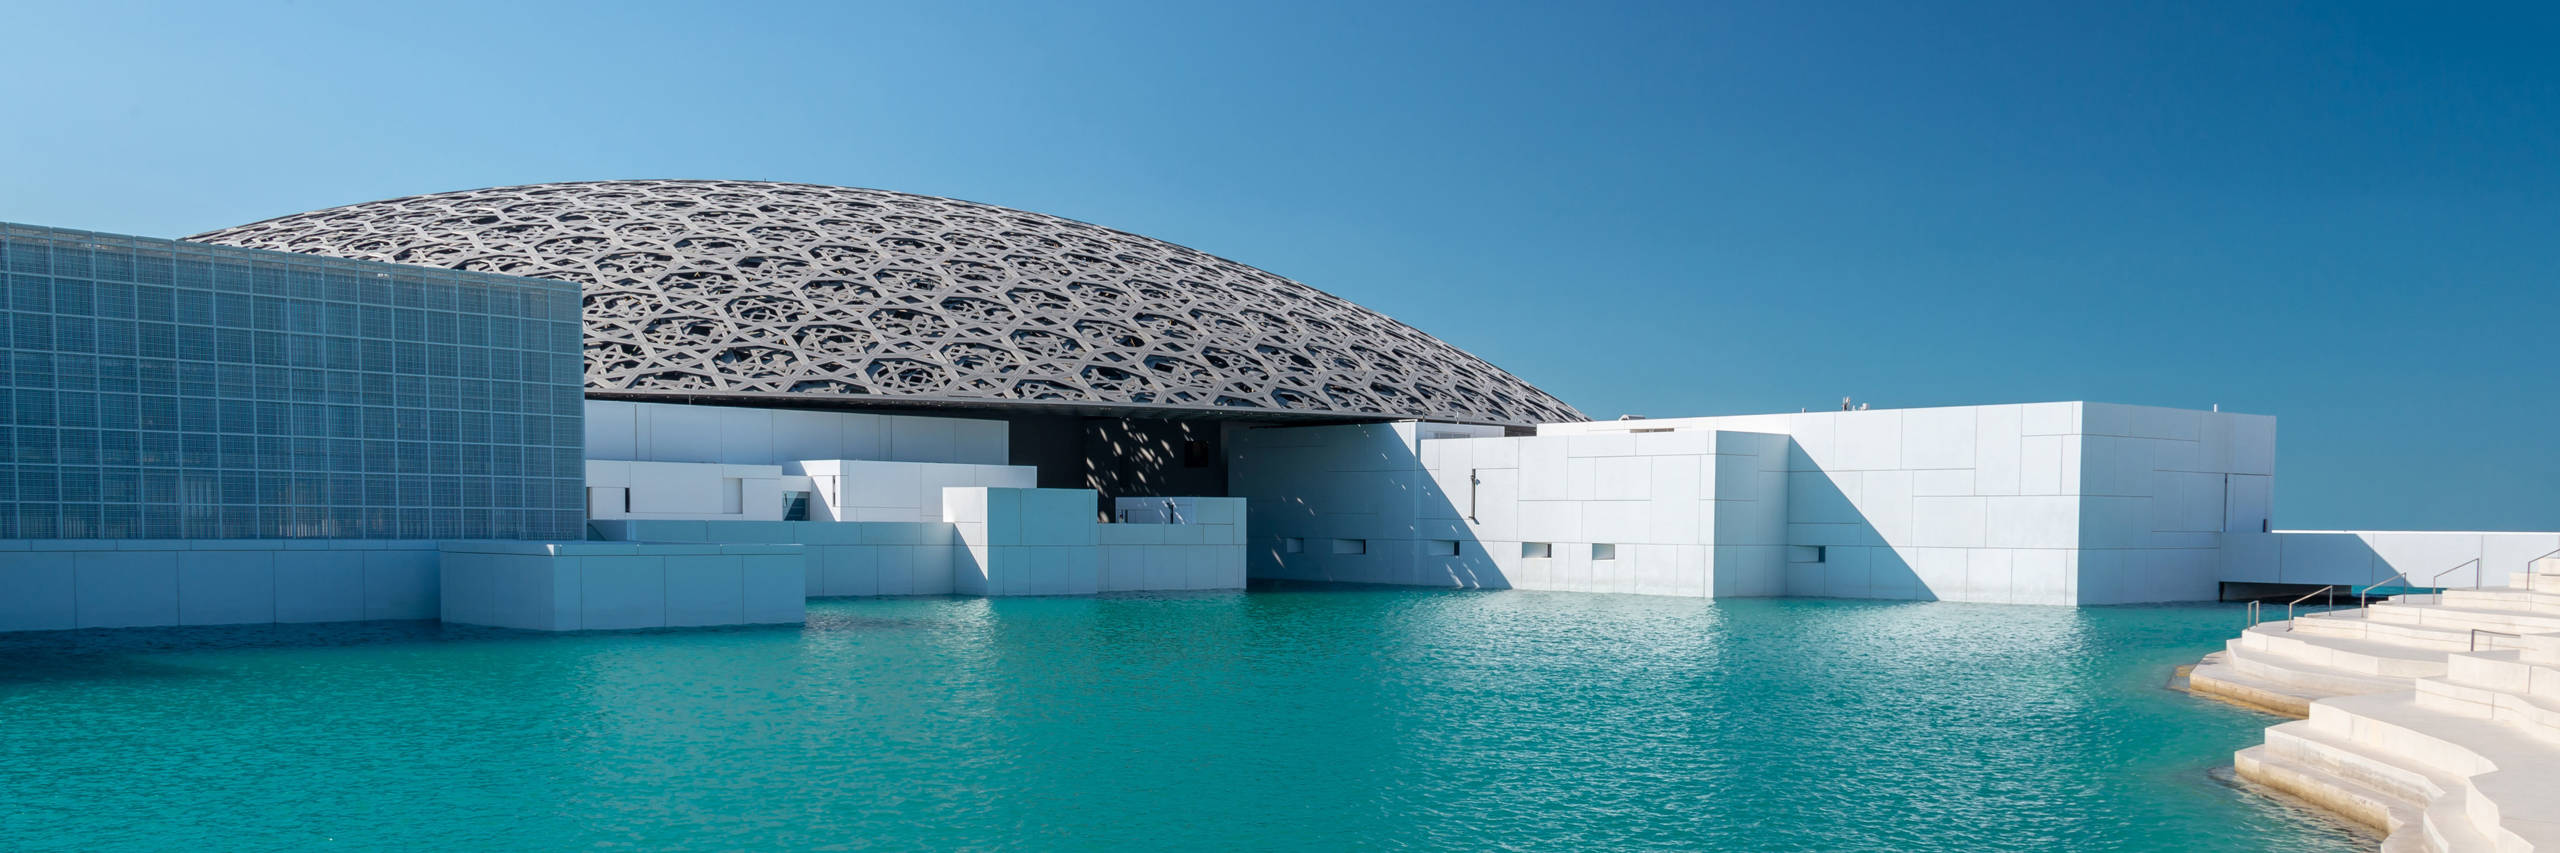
x=165, y=390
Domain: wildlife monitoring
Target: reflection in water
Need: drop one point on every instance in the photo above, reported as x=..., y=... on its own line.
x=1316, y=718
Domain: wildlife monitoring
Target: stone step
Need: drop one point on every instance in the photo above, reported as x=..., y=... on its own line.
x=2449, y=616
x=2419, y=810
x=2305, y=677
x=2413, y=636
x=2525, y=715
x=2510, y=780
x=2358, y=655
x=2534, y=580
x=2499, y=598
x=2217, y=678
x=2506, y=671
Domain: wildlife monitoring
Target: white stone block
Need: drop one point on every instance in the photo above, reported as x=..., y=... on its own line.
x=619, y=593
x=931, y=568
x=1950, y=483
x=704, y=590
x=2031, y=521
x=400, y=585
x=1622, y=478
x=2040, y=465
x=223, y=587
x=1678, y=443
x=964, y=504
x=2039, y=576
x=1884, y=502
x=1996, y=449
x=1868, y=441
x=318, y=586
x=2050, y=418
x=1938, y=438
x=1619, y=444
x=1543, y=474
x=1814, y=437
x=37, y=591
x=769, y=582
x=2327, y=558
x=1948, y=522
x=1815, y=497
x=1987, y=574
x=1844, y=572
x=1940, y=573
x=124, y=589
x=978, y=442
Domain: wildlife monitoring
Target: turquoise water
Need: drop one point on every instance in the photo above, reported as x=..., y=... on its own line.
x=1317, y=719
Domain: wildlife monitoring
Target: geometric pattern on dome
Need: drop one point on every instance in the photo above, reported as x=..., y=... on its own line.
x=751, y=288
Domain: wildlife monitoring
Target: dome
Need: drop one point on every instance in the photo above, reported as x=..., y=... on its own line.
x=752, y=291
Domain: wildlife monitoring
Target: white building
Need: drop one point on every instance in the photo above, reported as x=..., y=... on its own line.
x=793, y=391
x=2045, y=503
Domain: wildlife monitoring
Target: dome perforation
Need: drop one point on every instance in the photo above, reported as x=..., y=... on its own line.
x=710, y=287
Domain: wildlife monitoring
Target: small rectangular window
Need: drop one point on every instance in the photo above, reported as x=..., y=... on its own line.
x=795, y=506
x=1351, y=546
x=1536, y=550
x=1601, y=551
x=1292, y=545
x=1440, y=548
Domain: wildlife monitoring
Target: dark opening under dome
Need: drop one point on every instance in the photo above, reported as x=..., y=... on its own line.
x=745, y=289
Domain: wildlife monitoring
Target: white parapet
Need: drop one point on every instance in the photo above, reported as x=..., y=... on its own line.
x=52, y=584
x=589, y=586
x=1046, y=542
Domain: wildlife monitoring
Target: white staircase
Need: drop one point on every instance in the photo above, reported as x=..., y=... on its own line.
x=2409, y=728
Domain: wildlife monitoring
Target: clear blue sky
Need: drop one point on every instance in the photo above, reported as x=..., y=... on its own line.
x=2342, y=214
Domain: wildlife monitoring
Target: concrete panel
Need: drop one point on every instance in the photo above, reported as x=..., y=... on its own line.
x=1949, y=522
x=122, y=589
x=319, y=586
x=704, y=590
x=2040, y=465
x=1868, y=441
x=2040, y=576
x=617, y=593
x=612, y=430
x=1987, y=574
x=1884, y=500
x=1815, y=497
x=1941, y=573
x=770, y=584
x=2327, y=558
x=1543, y=469
x=2049, y=419
x=2250, y=557
x=1958, y=482
x=916, y=439
x=2031, y=522
x=1890, y=574
x=1996, y=450
x=1938, y=438
x=226, y=587
x=38, y=591
x=401, y=585
x=1844, y=572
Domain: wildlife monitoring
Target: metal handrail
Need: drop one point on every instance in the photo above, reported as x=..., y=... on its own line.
x=2253, y=612
x=2331, y=589
x=2476, y=632
x=2401, y=575
x=2528, y=568
x=2475, y=576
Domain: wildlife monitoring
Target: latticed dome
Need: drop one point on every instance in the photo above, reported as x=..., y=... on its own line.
x=752, y=289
